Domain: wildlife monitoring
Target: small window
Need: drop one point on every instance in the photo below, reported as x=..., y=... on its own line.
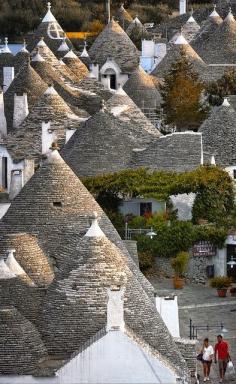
x=57, y=204
x=234, y=173
x=16, y=172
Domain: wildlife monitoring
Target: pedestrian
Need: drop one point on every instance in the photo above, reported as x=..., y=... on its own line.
x=207, y=356
x=222, y=353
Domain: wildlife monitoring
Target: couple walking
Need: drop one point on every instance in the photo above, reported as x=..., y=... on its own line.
x=220, y=353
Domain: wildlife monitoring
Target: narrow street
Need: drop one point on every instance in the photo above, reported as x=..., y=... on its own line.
x=204, y=307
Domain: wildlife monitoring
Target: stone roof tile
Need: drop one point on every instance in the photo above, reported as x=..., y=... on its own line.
x=114, y=42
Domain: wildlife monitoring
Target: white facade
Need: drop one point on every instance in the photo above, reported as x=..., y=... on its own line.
x=137, y=206
x=13, y=176
x=114, y=359
x=109, y=74
x=152, y=54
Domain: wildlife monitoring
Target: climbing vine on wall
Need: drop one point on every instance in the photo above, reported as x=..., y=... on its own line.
x=212, y=185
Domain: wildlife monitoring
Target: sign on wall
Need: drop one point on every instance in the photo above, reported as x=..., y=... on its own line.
x=204, y=248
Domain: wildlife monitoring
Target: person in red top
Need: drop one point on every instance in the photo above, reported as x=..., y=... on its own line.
x=222, y=353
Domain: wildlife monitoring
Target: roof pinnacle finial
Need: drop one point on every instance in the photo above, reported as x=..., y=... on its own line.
x=49, y=6
x=94, y=230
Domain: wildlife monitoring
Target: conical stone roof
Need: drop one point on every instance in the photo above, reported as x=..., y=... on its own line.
x=51, y=31
x=206, y=31
x=123, y=107
x=137, y=27
x=84, y=296
x=142, y=90
x=189, y=30
x=219, y=135
x=49, y=108
x=56, y=205
x=46, y=53
x=26, y=81
x=103, y=144
x=77, y=97
x=21, y=58
x=123, y=17
x=21, y=345
x=114, y=42
x=174, y=53
x=30, y=256
x=220, y=48
x=75, y=65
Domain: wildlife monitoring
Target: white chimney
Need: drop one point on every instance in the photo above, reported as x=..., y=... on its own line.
x=21, y=109
x=115, y=309
x=3, y=122
x=8, y=77
x=48, y=137
x=182, y=6
x=95, y=70
x=16, y=183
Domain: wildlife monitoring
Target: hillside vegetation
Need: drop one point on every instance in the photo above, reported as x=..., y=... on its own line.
x=17, y=17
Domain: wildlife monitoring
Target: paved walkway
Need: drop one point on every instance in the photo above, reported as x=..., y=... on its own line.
x=204, y=307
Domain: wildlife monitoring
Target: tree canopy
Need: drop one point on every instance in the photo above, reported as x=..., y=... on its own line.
x=182, y=94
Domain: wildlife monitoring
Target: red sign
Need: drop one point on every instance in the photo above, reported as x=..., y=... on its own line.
x=204, y=248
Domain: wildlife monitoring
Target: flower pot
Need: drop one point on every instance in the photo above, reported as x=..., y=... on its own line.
x=222, y=292
x=178, y=282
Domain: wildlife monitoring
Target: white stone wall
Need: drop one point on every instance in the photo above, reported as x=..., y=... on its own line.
x=184, y=204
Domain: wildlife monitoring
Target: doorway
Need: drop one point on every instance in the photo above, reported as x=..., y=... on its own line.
x=113, y=81
x=231, y=254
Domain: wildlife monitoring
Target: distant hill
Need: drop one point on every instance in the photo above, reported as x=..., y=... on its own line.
x=17, y=17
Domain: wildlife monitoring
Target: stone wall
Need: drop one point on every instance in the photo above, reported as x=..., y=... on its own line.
x=196, y=272
x=188, y=350
x=131, y=245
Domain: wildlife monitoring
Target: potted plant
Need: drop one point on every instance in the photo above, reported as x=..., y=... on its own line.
x=179, y=265
x=221, y=283
x=233, y=291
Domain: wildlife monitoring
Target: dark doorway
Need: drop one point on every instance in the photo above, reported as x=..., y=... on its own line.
x=113, y=81
x=4, y=172
x=231, y=254
x=145, y=209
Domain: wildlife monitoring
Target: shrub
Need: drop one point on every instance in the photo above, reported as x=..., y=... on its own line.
x=146, y=260
x=220, y=282
x=180, y=263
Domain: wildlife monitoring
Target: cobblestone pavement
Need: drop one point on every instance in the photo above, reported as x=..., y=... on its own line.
x=203, y=306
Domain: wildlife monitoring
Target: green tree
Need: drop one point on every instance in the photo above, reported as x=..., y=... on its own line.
x=225, y=86
x=182, y=94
